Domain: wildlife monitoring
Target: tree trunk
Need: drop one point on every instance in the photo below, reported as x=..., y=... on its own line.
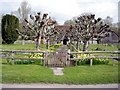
x=92, y=40
x=98, y=42
x=38, y=43
x=47, y=44
x=77, y=45
x=23, y=42
x=85, y=45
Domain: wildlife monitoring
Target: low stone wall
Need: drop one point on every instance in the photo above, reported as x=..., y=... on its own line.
x=25, y=42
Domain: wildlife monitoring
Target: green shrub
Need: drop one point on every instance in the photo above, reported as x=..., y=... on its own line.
x=9, y=25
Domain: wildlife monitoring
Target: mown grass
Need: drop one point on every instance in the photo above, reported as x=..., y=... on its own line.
x=96, y=74
x=93, y=47
x=27, y=47
x=21, y=47
x=92, y=75
x=43, y=47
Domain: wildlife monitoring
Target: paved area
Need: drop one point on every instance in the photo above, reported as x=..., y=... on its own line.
x=58, y=86
x=57, y=71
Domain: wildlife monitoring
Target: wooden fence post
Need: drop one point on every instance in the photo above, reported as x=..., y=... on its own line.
x=76, y=60
x=91, y=60
x=12, y=57
x=7, y=56
x=113, y=62
x=114, y=59
x=68, y=58
x=44, y=58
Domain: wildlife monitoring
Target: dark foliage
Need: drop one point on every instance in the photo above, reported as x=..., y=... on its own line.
x=9, y=25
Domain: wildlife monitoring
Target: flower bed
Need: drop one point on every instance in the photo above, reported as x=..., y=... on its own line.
x=37, y=62
x=96, y=61
x=84, y=59
x=38, y=55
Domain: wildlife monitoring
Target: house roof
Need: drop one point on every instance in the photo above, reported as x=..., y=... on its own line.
x=62, y=27
x=108, y=31
x=65, y=28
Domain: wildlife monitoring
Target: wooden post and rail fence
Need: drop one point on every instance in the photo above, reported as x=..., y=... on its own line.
x=61, y=59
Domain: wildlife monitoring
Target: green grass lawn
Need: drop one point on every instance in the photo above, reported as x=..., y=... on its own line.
x=43, y=47
x=72, y=75
x=25, y=47
x=96, y=74
x=92, y=47
x=22, y=47
x=19, y=47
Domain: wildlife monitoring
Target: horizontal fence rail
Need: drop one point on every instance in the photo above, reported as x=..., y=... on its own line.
x=21, y=51
x=10, y=54
x=91, y=52
x=111, y=55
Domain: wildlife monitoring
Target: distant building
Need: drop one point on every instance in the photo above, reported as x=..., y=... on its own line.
x=111, y=38
x=63, y=29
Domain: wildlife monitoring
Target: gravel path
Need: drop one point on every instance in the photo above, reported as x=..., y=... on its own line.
x=58, y=86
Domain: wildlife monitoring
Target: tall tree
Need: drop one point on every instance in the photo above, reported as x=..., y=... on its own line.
x=23, y=12
x=69, y=22
x=108, y=20
x=9, y=25
x=40, y=26
x=86, y=26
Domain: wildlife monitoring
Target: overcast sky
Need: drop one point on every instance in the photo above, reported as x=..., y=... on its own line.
x=62, y=10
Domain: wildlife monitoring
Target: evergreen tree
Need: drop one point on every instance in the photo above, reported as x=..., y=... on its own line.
x=9, y=25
